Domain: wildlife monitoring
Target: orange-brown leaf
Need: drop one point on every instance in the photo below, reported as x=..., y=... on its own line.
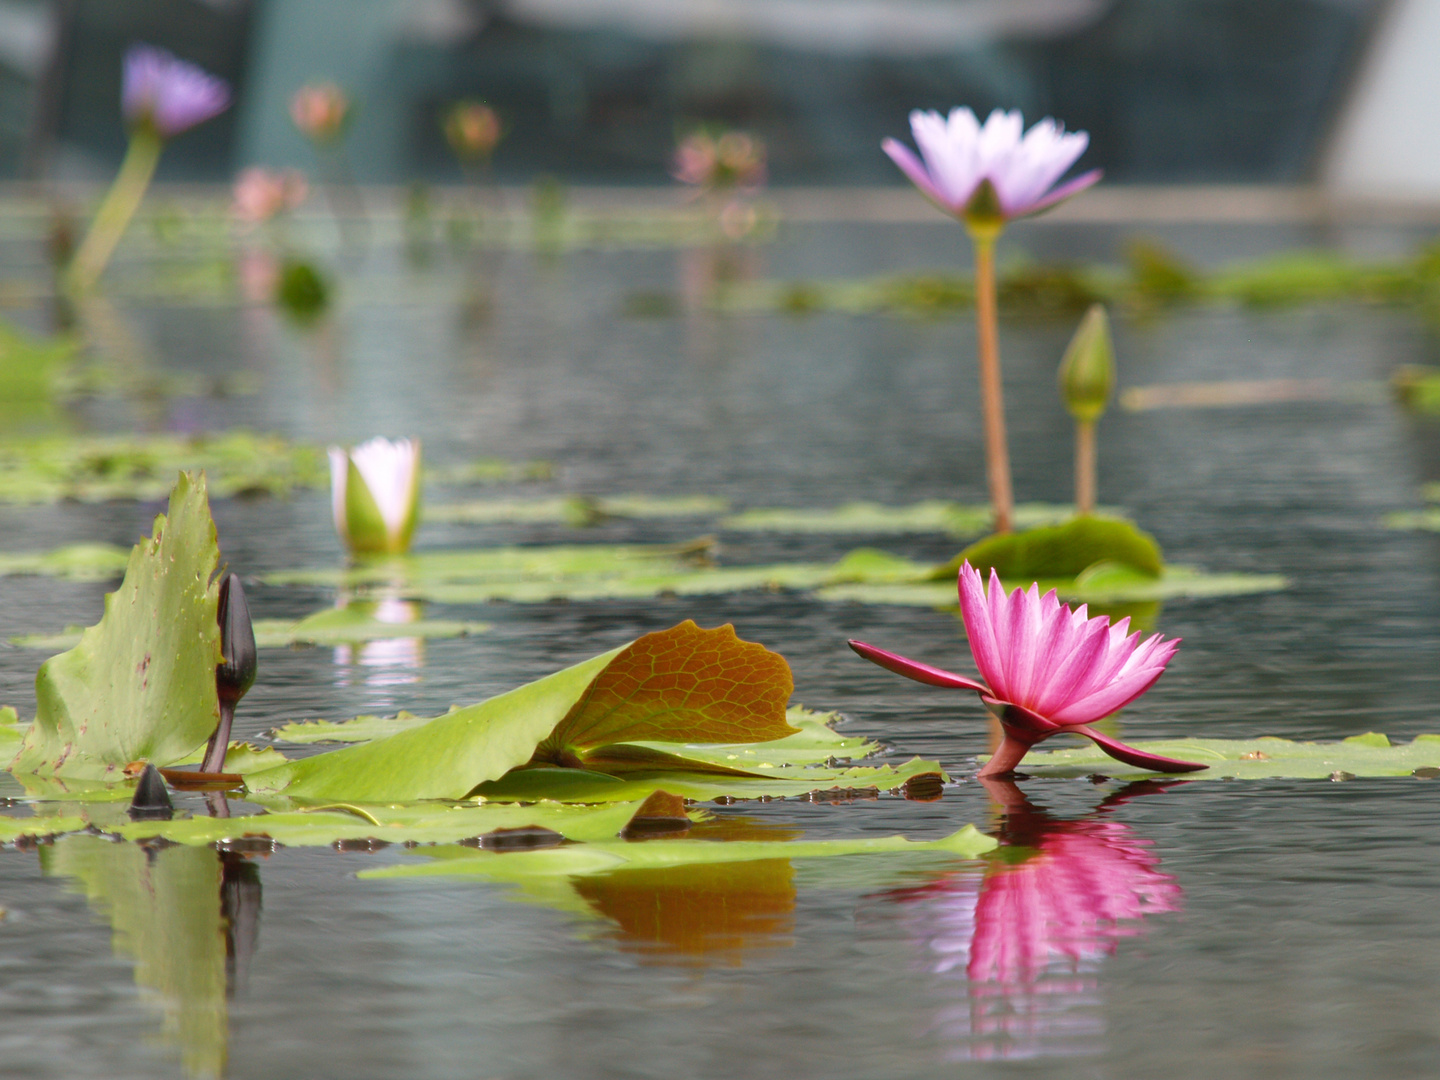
x=684, y=684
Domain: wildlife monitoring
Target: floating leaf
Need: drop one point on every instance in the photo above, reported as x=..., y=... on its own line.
x=602, y=858
x=1061, y=551
x=489, y=471
x=675, y=681
x=1371, y=754
x=140, y=685
x=757, y=780
x=100, y=468
x=1427, y=520
x=1101, y=584
x=935, y=515
x=78, y=562
x=354, y=624
x=576, y=510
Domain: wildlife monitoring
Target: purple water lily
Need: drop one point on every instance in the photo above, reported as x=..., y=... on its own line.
x=1047, y=669
x=168, y=95
x=991, y=173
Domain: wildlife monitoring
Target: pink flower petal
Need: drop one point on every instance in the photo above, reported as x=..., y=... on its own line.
x=914, y=669
x=984, y=646
x=1139, y=758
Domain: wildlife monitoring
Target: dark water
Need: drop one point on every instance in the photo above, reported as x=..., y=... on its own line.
x=1282, y=928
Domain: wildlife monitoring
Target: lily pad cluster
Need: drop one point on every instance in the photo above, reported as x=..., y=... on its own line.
x=1151, y=278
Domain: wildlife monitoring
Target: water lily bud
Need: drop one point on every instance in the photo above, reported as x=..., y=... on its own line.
x=1087, y=373
x=472, y=130
x=375, y=494
x=152, y=798
x=235, y=673
x=321, y=111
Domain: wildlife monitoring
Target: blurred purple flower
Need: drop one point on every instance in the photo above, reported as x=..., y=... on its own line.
x=167, y=94
x=994, y=173
x=1048, y=669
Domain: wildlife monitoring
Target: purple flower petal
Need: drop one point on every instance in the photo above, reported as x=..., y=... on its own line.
x=168, y=94
x=912, y=167
x=957, y=153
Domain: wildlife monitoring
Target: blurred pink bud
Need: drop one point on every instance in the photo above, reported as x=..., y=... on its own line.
x=261, y=194
x=472, y=130
x=320, y=111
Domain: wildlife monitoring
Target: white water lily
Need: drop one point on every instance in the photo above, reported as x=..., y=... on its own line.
x=375, y=494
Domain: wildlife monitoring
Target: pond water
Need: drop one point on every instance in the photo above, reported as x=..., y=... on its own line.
x=1190, y=930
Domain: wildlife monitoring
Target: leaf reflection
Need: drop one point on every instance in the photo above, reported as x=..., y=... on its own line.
x=189, y=917
x=1027, y=936
x=701, y=913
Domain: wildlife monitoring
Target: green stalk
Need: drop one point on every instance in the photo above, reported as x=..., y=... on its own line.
x=992, y=398
x=1085, y=466
x=113, y=217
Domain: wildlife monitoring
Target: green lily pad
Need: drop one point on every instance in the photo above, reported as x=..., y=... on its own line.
x=1101, y=585
x=330, y=626
x=101, y=468
x=140, y=685
x=603, y=858
x=1264, y=758
x=488, y=471
x=592, y=572
x=352, y=625
x=1427, y=520
x=762, y=779
x=1061, y=551
x=576, y=510
x=933, y=516
x=680, y=684
x=30, y=369
x=77, y=562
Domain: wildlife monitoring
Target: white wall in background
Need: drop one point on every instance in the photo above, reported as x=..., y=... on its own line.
x=1387, y=141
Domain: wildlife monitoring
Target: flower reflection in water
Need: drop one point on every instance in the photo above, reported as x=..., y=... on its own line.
x=386, y=662
x=1028, y=936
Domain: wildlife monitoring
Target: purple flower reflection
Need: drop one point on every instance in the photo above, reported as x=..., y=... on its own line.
x=167, y=94
x=1029, y=936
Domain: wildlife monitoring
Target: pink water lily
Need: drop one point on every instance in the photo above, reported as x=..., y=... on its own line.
x=997, y=169
x=1046, y=669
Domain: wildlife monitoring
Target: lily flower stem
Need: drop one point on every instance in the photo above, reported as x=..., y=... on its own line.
x=113, y=217
x=1085, y=466
x=1007, y=755
x=992, y=398
x=220, y=741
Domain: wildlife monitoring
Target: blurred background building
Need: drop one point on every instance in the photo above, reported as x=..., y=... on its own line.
x=596, y=91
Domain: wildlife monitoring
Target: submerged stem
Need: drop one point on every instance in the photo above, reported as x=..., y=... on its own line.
x=113, y=217
x=992, y=399
x=1085, y=466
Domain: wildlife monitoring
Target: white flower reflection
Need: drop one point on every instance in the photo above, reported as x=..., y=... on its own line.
x=386, y=662
x=1025, y=939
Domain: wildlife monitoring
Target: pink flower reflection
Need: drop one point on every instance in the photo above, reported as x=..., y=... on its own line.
x=1029, y=936
x=385, y=662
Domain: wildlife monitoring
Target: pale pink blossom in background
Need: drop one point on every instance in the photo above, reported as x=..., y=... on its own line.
x=977, y=172
x=320, y=111
x=261, y=194
x=734, y=159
